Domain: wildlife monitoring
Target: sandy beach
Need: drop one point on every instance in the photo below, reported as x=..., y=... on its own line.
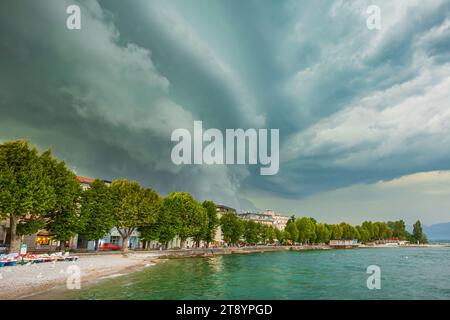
x=28, y=280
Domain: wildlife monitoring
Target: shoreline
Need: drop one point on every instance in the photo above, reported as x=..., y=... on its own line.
x=27, y=282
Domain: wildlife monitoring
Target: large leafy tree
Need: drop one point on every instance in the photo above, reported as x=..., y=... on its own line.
x=306, y=229
x=133, y=207
x=368, y=226
x=168, y=223
x=398, y=229
x=284, y=237
x=336, y=231
x=418, y=234
x=251, y=232
x=382, y=230
x=271, y=234
x=96, y=212
x=348, y=231
x=192, y=215
x=232, y=228
x=278, y=235
x=291, y=231
x=363, y=234
x=63, y=218
x=26, y=192
x=151, y=230
x=266, y=233
x=213, y=222
x=322, y=233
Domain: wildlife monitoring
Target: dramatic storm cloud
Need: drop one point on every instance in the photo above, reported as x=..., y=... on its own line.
x=358, y=110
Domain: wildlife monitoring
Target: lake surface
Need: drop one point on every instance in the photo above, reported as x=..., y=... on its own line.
x=406, y=273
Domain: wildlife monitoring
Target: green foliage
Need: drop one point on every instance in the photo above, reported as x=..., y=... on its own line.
x=38, y=191
x=363, y=234
x=348, y=231
x=336, y=231
x=398, y=229
x=96, y=218
x=29, y=226
x=251, y=231
x=25, y=187
x=306, y=229
x=192, y=215
x=284, y=237
x=133, y=207
x=266, y=233
x=382, y=230
x=232, y=228
x=26, y=193
x=168, y=222
x=418, y=235
x=322, y=233
x=63, y=218
x=278, y=235
x=271, y=234
x=291, y=230
x=213, y=221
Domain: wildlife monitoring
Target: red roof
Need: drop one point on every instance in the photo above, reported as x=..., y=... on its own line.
x=85, y=180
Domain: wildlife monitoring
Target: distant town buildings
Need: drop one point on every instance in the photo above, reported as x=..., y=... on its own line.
x=268, y=217
x=279, y=220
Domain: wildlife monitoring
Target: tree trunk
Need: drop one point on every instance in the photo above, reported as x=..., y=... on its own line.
x=182, y=243
x=96, y=245
x=62, y=245
x=125, y=244
x=14, y=245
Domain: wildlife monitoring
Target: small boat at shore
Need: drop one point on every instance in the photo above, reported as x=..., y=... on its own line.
x=13, y=259
x=7, y=260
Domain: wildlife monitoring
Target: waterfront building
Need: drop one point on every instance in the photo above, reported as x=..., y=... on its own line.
x=257, y=217
x=268, y=217
x=279, y=220
x=344, y=243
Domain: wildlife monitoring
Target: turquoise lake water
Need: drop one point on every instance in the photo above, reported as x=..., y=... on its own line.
x=406, y=273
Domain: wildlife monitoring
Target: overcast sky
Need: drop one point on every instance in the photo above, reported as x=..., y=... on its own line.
x=364, y=115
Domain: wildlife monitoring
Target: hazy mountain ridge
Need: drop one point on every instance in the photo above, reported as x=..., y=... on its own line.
x=439, y=231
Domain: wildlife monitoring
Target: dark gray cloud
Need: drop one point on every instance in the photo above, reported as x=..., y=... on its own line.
x=353, y=105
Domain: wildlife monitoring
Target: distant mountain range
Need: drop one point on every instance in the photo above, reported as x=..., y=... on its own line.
x=439, y=231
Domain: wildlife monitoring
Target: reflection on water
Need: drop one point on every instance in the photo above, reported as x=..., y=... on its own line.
x=406, y=273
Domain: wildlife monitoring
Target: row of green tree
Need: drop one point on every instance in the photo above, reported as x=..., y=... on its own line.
x=308, y=230
x=37, y=191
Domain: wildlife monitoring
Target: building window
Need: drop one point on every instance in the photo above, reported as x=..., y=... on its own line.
x=115, y=240
x=43, y=240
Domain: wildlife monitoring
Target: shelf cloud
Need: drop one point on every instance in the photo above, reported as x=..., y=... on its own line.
x=359, y=111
